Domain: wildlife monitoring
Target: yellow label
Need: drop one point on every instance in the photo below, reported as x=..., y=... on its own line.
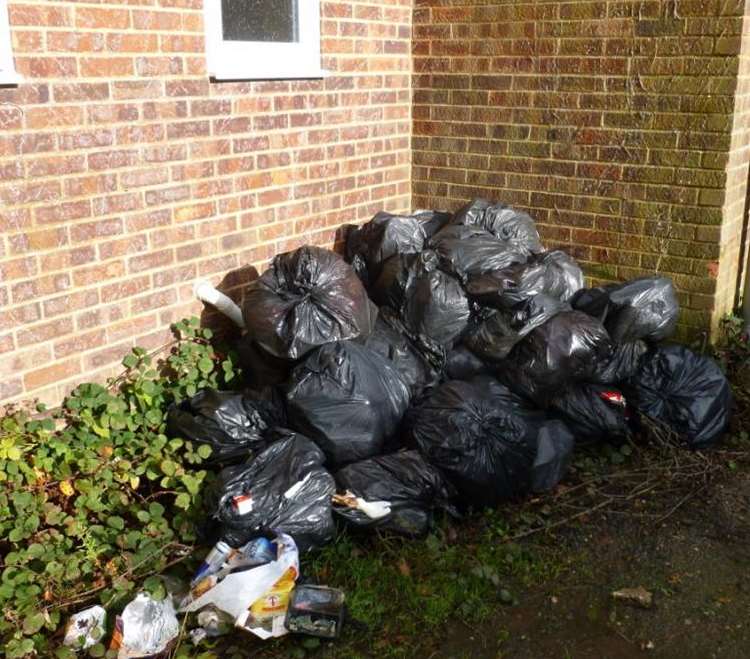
x=275, y=600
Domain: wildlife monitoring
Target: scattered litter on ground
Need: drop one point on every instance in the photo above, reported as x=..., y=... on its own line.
x=146, y=628
x=85, y=628
x=316, y=611
x=637, y=596
x=254, y=596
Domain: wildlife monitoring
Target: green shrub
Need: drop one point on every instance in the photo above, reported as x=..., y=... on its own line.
x=95, y=500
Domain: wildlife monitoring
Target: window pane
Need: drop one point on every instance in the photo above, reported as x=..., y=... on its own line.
x=260, y=20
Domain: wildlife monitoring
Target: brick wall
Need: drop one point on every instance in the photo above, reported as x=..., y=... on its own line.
x=731, y=270
x=125, y=173
x=611, y=122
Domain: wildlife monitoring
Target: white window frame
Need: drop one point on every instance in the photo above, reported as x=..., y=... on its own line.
x=264, y=60
x=8, y=75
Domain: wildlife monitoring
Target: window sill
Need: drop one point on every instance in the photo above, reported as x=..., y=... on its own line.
x=10, y=78
x=242, y=74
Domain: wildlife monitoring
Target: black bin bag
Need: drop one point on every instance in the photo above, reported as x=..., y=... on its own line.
x=432, y=221
x=284, y=489
x=687, y=392
x=642, y=309
x=470, y=251
x=594, y=413
x=554, y=453
x=623, y=363
x=307, y=298
x=482, y=437
x=503, y=222
x=435, y=305
x=493, y=339
x=396, y=273
x=419, y=365
x=384, y=236
x=348, y=399
x=412, y=486
x=570, y=347
x=234, y=425
x=554, y=274
x=260, y=368
x=463, y=364
x=431, y=303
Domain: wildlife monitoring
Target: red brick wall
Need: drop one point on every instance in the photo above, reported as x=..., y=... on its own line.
x=731, y=270
x=610, y=122
x=125, y=173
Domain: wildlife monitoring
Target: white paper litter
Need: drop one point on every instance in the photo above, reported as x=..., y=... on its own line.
x=374, y=509
x=237, y=591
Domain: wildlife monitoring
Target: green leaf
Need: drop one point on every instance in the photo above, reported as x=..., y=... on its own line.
x=130, y=361
x=154, y=417
x=33, y=623
x=182, y=501
x=204, y=450
x=168, y=467
x=97, y=650
x=154, y=586
x=205, y=365
x=116, y=522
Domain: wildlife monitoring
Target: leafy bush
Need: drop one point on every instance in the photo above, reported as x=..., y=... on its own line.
x=732, y=348
x=95, y=500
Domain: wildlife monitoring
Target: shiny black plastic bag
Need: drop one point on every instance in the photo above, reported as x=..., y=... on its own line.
x=259, y=368
x=481, y=436
x=570, y=347
x=396, y=273
x=593, y=412
x=285, y=489
x=307, y=298
x=348, y=399
x=435, y=304
x=463, y=364
x=234, y=425
x=554, y=453
x=687, y=392
x=470, y=251
x=384, y=236
x=642, y=309
x=432, y=221
x=503, y=222
x=554, y=274
x=493, y=339
x=622, y=364
x=418, y=366
x=412, y=487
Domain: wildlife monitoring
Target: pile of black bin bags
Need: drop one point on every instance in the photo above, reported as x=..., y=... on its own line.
x=448, y=362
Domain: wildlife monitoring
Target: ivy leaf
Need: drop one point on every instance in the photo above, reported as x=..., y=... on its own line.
x=204, y=450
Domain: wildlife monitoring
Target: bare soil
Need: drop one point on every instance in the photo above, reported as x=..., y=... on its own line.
x=696, y=562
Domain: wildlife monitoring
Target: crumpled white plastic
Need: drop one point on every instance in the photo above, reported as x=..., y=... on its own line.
x=87, y=625
x=148, y=627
